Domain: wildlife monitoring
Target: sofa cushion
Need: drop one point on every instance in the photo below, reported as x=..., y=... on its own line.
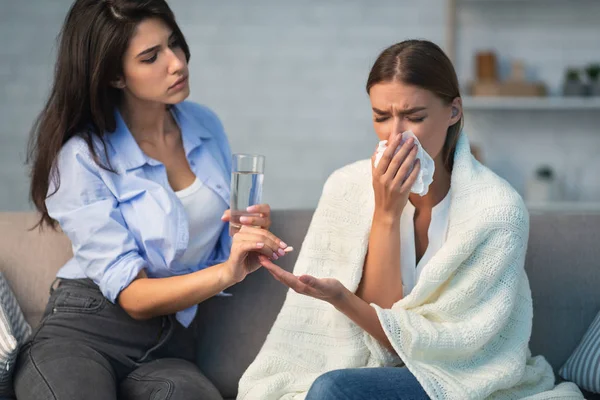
x=562, y=261
x=13, y=333
x=583, y=367
x=29, y=259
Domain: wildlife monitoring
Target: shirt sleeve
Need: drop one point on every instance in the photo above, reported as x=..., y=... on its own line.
x=89, y=214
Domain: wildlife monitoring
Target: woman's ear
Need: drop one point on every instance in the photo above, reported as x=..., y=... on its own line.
x=456, y=111
x=118, y=84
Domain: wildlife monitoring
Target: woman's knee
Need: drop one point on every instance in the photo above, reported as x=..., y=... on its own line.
x=328, y=386
x=173, y=378
x=53, y=370
x=28, y=381
x=193, y=386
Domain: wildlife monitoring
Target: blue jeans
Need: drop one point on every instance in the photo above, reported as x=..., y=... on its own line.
x=367, y=383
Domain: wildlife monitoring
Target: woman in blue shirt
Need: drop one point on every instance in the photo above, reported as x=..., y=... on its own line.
x=138, y=179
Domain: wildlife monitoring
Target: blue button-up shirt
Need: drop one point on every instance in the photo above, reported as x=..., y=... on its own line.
x=124, y=221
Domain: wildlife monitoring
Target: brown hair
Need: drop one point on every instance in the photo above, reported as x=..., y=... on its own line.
x=421, y=63
x=92, y=42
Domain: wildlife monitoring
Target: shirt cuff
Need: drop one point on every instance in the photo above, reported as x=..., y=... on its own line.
x=120, y=275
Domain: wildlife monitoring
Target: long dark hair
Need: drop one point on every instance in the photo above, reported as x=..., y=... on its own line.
x=92, y=42
x=423, y=64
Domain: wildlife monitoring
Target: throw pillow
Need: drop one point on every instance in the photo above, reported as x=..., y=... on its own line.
x=583, y=366
x=14, y=330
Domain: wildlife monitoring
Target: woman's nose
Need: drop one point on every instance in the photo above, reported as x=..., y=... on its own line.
x=176, y=64
x=397, y=126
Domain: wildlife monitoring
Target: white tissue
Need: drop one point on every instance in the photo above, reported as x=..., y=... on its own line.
x=425, y=177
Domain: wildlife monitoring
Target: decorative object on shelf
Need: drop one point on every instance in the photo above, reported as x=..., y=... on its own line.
x=593, y=73
x=542, y=187
x=517, y=84
x=573, y=85
x=488, y=83
x=486, y=66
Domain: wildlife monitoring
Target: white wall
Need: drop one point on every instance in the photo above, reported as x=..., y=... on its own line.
x=287, y=79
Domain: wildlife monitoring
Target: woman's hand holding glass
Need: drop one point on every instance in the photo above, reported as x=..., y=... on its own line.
x=261, y=216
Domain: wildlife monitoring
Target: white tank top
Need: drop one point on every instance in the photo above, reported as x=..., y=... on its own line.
x=204, y=209
x=436, y=234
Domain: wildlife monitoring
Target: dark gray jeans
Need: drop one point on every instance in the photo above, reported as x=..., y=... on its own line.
x=88, y=348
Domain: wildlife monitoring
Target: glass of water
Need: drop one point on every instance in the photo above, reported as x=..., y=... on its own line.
x=246, y=187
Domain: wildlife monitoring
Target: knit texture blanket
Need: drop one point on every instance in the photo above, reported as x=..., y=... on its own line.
x=464, y=329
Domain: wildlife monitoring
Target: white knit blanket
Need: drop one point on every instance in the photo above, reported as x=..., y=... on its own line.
x=464, y=329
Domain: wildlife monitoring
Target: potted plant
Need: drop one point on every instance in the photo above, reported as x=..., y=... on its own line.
x=573, y=86
x=593, y=73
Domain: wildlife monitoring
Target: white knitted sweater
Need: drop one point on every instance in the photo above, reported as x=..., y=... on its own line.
x=464, y=329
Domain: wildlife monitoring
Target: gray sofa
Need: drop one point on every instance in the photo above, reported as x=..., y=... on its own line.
x=563, y=263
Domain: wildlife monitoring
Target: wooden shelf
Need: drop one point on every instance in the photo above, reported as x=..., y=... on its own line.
x=566, y=207
x=531, y=103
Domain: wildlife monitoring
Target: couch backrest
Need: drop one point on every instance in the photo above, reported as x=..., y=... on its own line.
x=563, y=265
x=29, y=259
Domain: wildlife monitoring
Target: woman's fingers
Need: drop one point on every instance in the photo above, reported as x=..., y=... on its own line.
x=261, y=216
x=262, y=260
x=285, y=277
x=264, y=209
x=399, y=159
x=246, y=246
x=248, y=229
x=314, y=287
x=274, y=276
x=306, y=284
x=405, y=169
x=393, y=142
x=226, y=216
x=270, y=245
x=255, y=220
x=257, y=244
x=410, y=181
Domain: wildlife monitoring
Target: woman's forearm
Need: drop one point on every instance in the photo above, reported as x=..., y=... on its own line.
x=382, y=281
x=150, y=297
x=363, y=315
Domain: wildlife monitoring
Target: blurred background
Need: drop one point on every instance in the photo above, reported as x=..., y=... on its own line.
x=287, y=79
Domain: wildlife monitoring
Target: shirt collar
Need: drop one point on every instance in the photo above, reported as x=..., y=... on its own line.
x=128, y=155
x=193, y=134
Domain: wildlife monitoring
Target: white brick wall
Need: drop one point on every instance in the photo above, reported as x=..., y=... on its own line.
x=287, y=79
x=26, y=61
x=548, y=36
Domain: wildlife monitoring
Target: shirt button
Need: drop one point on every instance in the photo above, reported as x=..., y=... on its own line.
x=219, y=187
